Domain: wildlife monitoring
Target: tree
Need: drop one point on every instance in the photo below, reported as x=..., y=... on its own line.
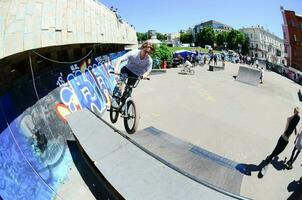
x=206, y=37
x=245, y=46
x=231, y=40
x=141, y=36
x=221, y=38
x=162, y=53
x=186, y=37
x=161, y=36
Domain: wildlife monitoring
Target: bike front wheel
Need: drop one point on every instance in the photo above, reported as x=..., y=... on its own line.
x=113, y=114
x=131, y=117
x=192, y=72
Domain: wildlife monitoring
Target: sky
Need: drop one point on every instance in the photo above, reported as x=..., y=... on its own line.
x=169, y=16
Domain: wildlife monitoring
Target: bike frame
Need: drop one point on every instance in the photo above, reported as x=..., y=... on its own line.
x=126, y=94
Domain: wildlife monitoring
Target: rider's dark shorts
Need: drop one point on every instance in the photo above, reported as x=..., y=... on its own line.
x=130, y=74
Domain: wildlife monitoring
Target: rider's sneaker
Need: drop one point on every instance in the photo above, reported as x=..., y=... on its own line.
x=262, y=171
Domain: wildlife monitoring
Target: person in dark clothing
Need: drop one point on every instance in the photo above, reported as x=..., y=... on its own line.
x=283, y=140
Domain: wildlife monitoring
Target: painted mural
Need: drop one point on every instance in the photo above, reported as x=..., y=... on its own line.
x=34, y=157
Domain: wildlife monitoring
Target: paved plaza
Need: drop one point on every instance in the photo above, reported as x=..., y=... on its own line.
x=237, y=121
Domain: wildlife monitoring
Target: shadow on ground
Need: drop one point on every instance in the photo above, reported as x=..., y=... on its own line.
x=95, y=181
x=296, y=188
x=247, y=169
x=278, y=164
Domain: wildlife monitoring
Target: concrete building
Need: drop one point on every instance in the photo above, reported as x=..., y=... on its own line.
x=265, y=45
x=173, y=39
x=215, y=25
x=292, y=31
x=153, y=37
x=26, y=25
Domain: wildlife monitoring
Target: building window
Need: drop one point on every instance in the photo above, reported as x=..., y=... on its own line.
x=295, y=38
x=300, y=25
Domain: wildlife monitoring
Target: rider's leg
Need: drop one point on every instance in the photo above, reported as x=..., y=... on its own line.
x=132, y=78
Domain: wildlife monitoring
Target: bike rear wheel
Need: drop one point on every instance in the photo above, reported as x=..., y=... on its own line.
x=131, y=117
x=192, y=72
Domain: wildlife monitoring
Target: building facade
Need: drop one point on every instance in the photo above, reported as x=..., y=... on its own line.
x=215, y=25
x=292, y=31
x=265, y=45
x=173, y=39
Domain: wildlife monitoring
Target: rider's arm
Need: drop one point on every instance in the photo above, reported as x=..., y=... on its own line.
x=120, y=60
x=149, y=69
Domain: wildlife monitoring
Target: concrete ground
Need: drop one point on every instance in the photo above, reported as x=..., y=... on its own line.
x=232, y=119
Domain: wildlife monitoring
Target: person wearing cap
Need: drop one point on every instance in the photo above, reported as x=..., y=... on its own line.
x=290, y=127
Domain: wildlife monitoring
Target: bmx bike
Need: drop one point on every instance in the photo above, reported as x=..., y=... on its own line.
x=187, y=70
x=123, y=104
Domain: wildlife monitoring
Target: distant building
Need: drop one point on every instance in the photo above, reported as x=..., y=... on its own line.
x=292, y=31
x=173, y=39
x=264, y=45
x=153, y=38
x=215, y=25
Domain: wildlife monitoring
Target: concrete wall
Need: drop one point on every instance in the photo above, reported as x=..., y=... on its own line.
x=35, y=156
x=31, y=24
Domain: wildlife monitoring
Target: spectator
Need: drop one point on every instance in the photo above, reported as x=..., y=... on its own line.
x=257, y=63
x=296, y=150
x=291, y=124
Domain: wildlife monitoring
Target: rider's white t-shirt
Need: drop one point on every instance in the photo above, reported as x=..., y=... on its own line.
x=187, y=64
x=135, y=64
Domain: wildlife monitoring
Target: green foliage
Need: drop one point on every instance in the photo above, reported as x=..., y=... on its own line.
x=245, y=46
x=186, y=37
x=206, y=37
x=161, y=37
x=162, y=53
x=141, y=36
x=231, y=40
x=221, y=38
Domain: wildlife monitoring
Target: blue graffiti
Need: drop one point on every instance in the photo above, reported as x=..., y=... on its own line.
x=92, y=87
x=85, y=91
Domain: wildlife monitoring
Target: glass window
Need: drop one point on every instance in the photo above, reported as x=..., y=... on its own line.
x=300, y=25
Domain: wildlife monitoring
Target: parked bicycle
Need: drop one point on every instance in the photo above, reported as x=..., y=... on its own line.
x=123, y=104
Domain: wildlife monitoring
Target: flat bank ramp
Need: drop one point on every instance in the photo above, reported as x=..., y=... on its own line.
x=248, y=75
x=134, y=173
x=198, y=163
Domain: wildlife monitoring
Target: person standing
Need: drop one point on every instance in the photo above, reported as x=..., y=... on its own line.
x=257, y=63
x=296, y=151
x=291, y=124
x=261, y=74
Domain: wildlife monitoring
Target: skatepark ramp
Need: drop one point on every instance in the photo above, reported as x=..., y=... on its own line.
x=248, y=75
x=137, y=172
x=54, y=60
